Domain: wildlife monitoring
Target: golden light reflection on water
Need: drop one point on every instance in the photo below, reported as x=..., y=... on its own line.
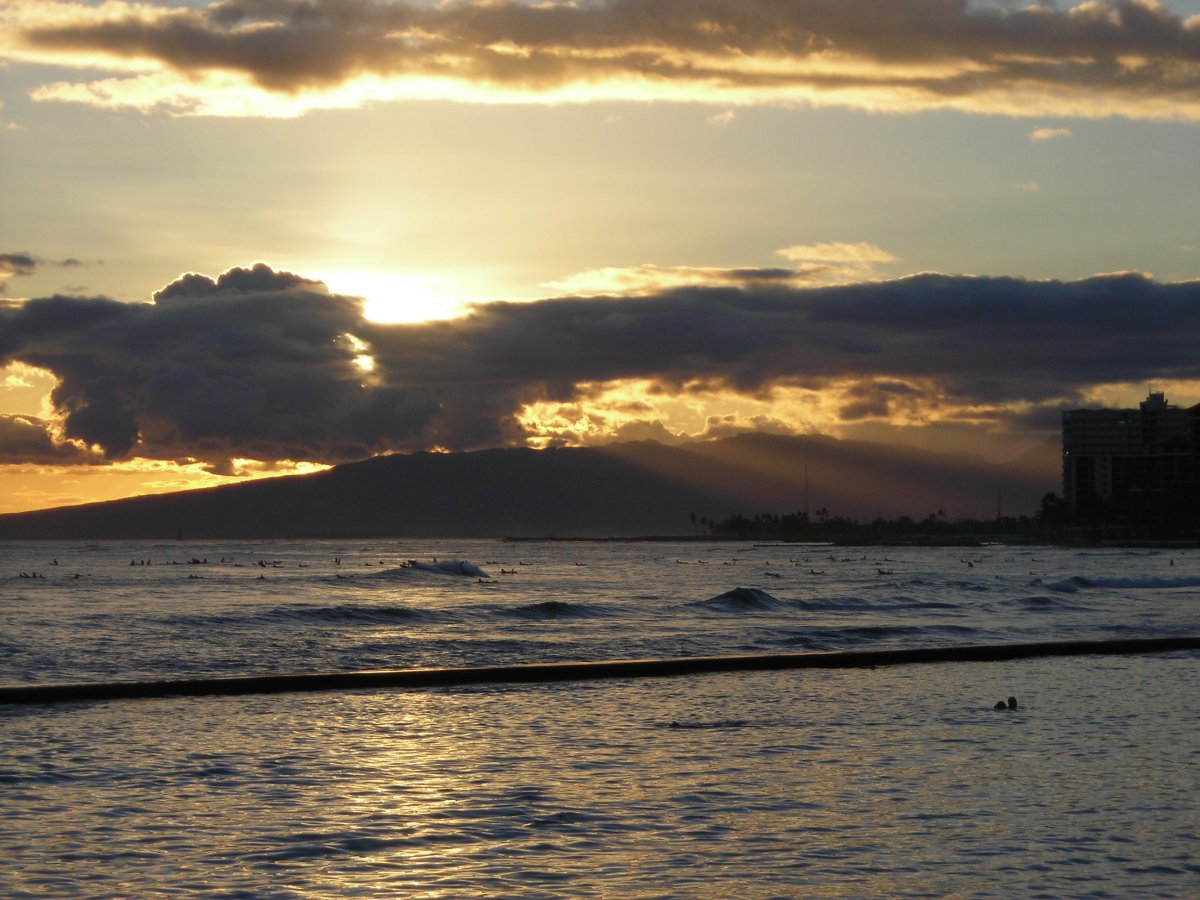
x=837, y=783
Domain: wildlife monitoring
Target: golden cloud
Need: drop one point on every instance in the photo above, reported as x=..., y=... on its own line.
x=859, y=253
x=1048, y=134
x=649, y=278
x=1132, y=58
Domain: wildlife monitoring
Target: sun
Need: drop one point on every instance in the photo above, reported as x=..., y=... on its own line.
x=395, y=297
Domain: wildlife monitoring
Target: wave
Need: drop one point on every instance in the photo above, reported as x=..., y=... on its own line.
x=698, y=724
x=859, y=604
x=740, y=599
x=744, y=599
x=1078, y=582
x=862, y=635
x=553, y=609
x=1115, y=554
x=1066, y=586
x=1040, y=602
x=352, y=612
x=460, y=567
x=975, y=586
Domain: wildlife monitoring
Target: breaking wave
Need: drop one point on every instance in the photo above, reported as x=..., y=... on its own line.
x=460, y=567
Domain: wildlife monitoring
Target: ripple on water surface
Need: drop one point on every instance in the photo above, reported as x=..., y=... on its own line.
x=898, y=781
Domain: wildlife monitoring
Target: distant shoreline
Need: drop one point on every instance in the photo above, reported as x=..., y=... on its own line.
x=826, y=540
x=844, y=541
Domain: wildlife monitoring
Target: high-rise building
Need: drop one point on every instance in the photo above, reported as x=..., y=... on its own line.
x=1139, y=463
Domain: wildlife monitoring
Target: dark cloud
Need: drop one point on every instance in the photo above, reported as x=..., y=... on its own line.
x=255, y=364
x=14, y=264
x=258, y=278
x=260, y=364
x=877, y=399
x=27, y=440
x=652, y=279
x=19, y=264
x=986, y=56
x=993, y=339
x=730, y=425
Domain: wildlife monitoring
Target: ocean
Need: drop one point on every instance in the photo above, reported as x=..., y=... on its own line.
x=863, y=782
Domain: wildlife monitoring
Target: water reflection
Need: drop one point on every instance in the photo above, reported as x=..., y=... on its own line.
x=862, y=783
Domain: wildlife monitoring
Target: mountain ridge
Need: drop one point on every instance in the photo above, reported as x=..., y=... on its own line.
x=618, y=490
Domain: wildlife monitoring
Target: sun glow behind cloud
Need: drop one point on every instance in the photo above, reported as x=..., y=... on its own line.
x=637, y=409
x=396, y=297
x=684, y=269
x=319, y=383
x=313, y=379
x=26, y=389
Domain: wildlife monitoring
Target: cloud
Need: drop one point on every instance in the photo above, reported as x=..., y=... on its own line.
x=1098, y=58
x=840, y=262
x=21, y=264
x=1027, y=187
x=8, y=126
x=15, y=264
x=1048, y=134
x=259, y=365
x=28, y=440
x=649, y=278
x=877, y=399
x=859, y=253
x=732, y=424
x=253, y=364
x=722, y=119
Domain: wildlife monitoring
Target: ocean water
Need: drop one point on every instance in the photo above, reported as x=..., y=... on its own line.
x=896, y=781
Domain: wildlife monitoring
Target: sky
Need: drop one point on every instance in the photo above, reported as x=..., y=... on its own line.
x=261, y=237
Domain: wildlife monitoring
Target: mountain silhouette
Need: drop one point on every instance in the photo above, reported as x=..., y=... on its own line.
x=620, y=490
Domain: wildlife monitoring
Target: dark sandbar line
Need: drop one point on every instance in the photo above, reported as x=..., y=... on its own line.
x=575, y=671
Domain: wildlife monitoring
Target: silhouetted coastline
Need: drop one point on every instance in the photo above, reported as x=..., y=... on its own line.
x=638, y=491
x=620, y=490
